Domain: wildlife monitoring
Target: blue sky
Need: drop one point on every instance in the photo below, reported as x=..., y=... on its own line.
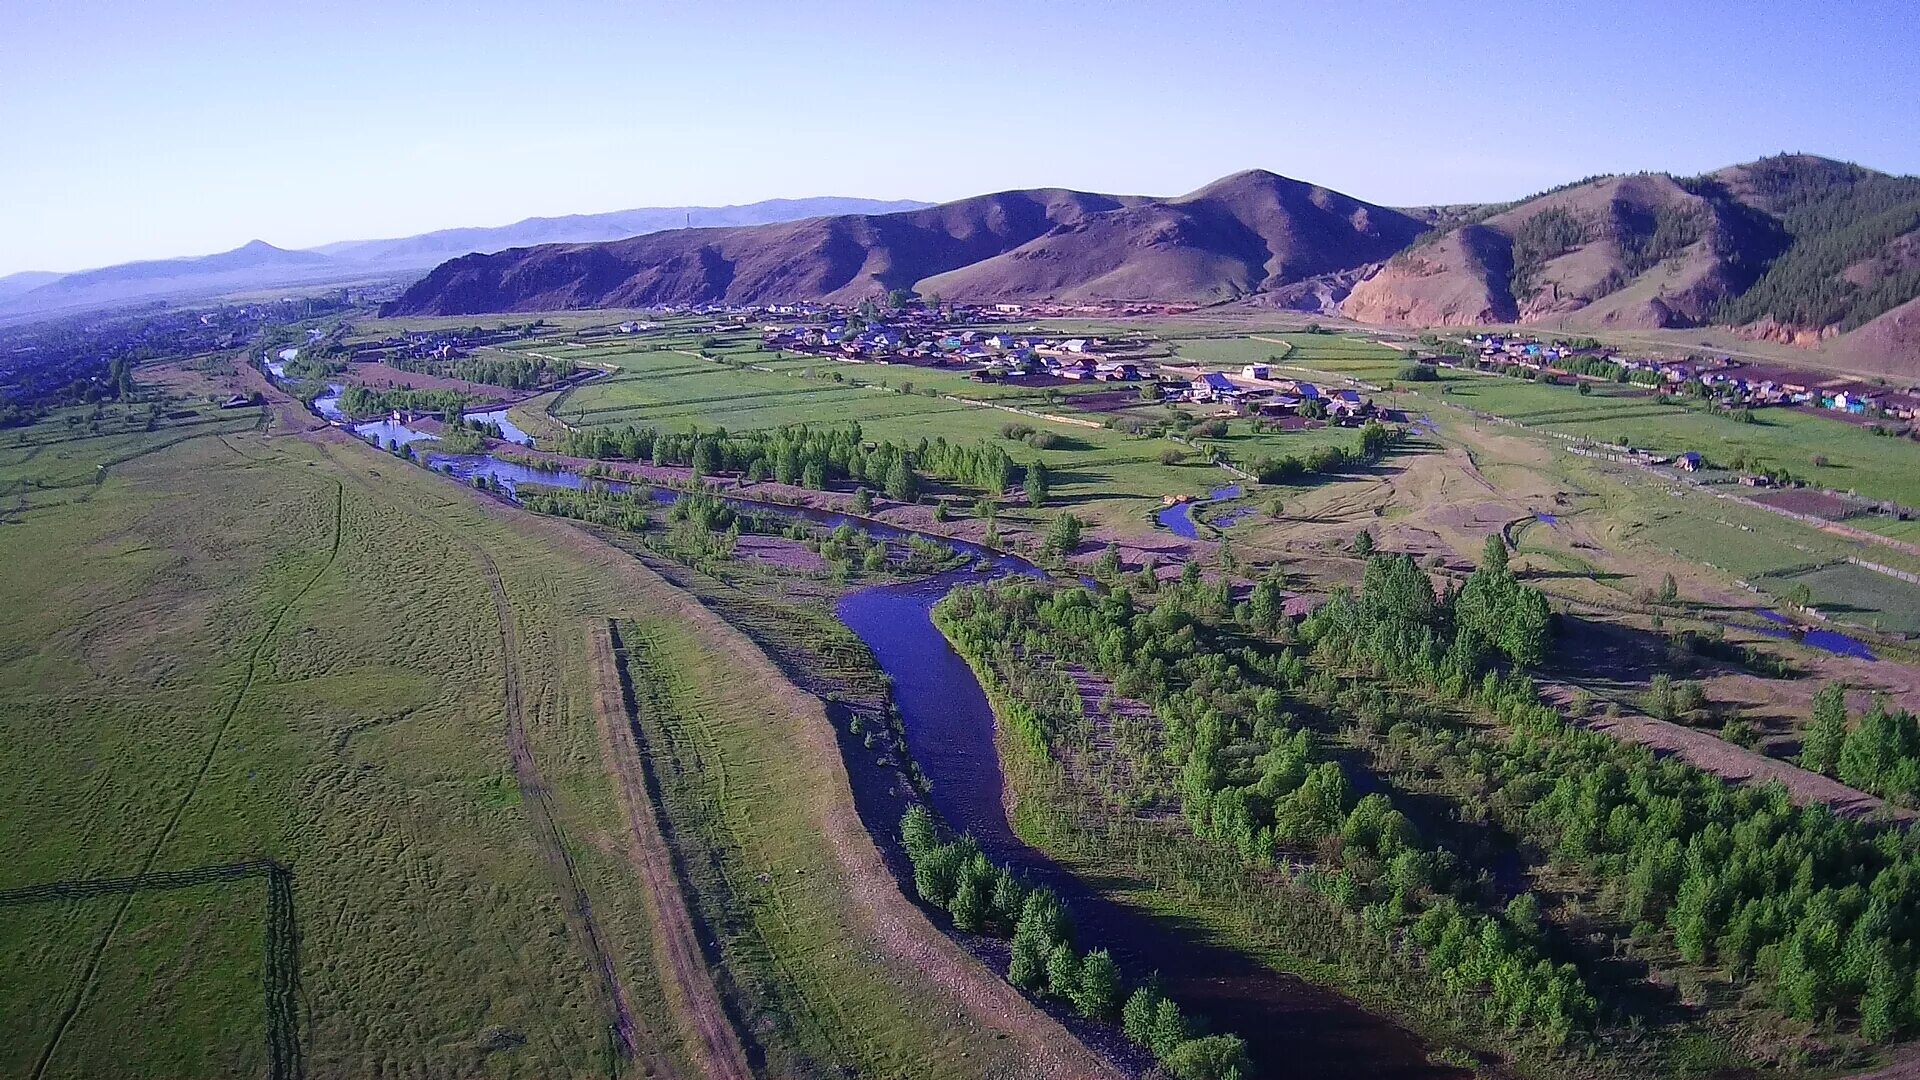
x=160, y=127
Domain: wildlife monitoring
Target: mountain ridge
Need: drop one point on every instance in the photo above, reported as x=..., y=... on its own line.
x=258, y=264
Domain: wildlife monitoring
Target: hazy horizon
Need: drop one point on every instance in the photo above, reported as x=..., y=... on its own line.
x=173, y=129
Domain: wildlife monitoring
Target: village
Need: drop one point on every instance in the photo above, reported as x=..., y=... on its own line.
x=1730, y=383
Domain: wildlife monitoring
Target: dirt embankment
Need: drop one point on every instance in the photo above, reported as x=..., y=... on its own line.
x=695, y=1000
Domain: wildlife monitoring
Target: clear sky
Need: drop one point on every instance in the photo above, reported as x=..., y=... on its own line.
x=151, y=128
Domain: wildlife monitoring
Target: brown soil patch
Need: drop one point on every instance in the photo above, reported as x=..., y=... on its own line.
x=1813, y=503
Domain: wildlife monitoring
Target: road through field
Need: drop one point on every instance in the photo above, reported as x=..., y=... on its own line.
x=716, y=1046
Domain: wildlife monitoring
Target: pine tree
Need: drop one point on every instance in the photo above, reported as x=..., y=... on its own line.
x=1097, y=992
x=1063, y=971
x=1137, y=1018
x=1826, y=730
x=1037, y=481
x=902, y=485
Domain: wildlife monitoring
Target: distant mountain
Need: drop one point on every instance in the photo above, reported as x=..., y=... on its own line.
x=1248, y=232
x=251, y=265
x=24, y=281
x=429, y=249
x=260, y=265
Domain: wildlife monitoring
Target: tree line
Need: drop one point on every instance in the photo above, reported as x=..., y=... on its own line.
x=981, y=898
x=805, y=455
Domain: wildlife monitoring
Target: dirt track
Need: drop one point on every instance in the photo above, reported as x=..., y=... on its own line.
x=696, y=1002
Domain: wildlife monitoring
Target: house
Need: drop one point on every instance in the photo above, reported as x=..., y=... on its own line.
x=1075, y=345
x=1688, y=462
x=1257, y=371
x=1003, y=342
x=1308, y=391
x=1112, y=372
x=1213, y=386
x=237, y=401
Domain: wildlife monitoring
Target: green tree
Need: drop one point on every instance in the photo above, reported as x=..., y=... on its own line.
x=902, y=485
x=1169, y=1028
x=1826, y=730
x=1363, y=543
x=1493, y=554
x=1063, y=971
x=1138, y=1017
x=1037, y=481
x=1214, y=1057
x=1097, y=993
x=1063, y=536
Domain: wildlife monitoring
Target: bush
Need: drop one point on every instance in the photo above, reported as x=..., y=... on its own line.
x=1419, y=373
x=1171, y=456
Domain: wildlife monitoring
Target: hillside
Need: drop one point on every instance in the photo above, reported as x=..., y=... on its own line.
x=837, y=258
x=1889, y=345
x=1795, y=248
x=1637, y=251
x=251, y=265
x=1245, y=233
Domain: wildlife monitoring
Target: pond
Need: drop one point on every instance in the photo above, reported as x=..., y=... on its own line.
x=1179, y=516
x=1831, y=641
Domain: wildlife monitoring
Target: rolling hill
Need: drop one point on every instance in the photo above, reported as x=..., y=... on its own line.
x=1245, y=233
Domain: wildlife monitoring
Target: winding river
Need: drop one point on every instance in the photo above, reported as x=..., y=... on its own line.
x=1293, y=1028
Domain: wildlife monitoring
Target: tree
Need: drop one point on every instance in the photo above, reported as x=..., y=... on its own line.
x=1169, y=1028
x=1215, y=1057
x=1063, y=971
x=970, y=905
x=1363, y=544
x=1063, y=536
x=1027, y=965
x=862, y=501
x=1098, y=991
x=1037, y=483
x=1137, y=1018
x=1826, y=731
x=1493, y=554
x=902, y=484
x=1669, y=589
x=1107, y=568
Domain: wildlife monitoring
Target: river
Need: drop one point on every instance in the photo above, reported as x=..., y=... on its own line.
x=1292, y=1027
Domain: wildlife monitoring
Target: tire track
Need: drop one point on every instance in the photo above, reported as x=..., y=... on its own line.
x=535, y=795
x=716, y=1044
x=538, y=800
x=92, y=970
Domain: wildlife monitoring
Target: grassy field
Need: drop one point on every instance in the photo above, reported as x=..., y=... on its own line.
x=1853, y=458
x=1855, y=594
x=239, y=649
